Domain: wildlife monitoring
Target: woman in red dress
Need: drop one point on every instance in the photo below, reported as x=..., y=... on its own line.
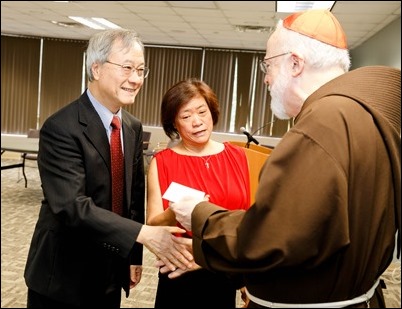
x=189, y=110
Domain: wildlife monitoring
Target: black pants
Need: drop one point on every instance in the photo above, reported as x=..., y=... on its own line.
x=195, y=289
x=111, y=300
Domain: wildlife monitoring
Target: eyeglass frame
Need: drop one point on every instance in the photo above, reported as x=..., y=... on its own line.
x=125, y=67
x=263, y=65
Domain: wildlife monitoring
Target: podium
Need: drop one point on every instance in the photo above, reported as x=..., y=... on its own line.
x=252, y=147
x=256, y=157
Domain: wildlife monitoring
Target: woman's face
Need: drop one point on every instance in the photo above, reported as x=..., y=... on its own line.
x=194, y=122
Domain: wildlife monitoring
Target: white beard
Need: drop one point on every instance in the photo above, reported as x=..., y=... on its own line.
x=278, y=92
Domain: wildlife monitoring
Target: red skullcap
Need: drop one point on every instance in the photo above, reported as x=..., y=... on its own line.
x=318, y=24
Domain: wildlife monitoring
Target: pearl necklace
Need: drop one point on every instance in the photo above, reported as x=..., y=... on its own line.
x=206, y=163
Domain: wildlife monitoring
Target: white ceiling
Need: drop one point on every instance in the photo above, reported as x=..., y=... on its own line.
x=186, y=23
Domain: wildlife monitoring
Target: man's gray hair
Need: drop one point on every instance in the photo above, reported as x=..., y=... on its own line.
x=100, y=45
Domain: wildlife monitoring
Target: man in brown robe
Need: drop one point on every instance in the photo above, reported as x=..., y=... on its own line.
x=328, y=210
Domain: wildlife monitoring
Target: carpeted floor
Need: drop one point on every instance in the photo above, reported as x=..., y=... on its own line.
x=19, y=210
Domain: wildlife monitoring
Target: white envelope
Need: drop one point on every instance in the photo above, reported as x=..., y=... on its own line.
x=176, y=192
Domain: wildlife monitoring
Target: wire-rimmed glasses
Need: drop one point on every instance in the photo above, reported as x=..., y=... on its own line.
x=264, y=66
x=128, y=70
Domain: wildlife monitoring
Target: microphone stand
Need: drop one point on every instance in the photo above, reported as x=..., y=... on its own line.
x=249, y=140
x=250, y=137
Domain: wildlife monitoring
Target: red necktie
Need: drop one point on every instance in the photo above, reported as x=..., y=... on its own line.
x=116, y=155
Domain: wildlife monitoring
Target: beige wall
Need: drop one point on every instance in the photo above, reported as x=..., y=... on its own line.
x=384, y=48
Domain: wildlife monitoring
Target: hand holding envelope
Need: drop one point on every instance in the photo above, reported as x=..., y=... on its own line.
x=183, y=200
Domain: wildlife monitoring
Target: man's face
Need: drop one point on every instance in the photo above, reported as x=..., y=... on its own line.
x=277, y=78
x=278, y=91
x=118, y=83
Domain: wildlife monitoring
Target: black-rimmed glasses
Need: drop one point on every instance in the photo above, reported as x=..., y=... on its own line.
x=128, y=70
x=264, y=66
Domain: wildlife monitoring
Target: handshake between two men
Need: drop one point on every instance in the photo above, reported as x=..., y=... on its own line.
x=174, y=253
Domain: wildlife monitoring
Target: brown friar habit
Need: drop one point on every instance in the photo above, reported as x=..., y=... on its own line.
x=328, y=204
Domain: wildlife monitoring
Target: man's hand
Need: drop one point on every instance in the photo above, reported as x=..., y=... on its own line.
x=178, y=272
x=160, y=241
x=184, y=208
x=244, y=297
x=135, y=275
x=187, y=243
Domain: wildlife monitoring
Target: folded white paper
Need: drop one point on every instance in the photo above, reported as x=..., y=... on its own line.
x=176, y=192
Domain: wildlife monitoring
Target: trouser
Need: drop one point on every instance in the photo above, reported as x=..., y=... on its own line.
x=36, y=300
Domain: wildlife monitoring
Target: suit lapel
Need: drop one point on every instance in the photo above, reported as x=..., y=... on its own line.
x=128, y=140
x=93, y=128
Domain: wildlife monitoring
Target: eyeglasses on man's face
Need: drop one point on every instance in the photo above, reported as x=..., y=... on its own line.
x=128, y=70
x=264, y=66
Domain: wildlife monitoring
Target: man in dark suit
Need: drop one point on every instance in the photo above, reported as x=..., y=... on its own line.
x=82, y=253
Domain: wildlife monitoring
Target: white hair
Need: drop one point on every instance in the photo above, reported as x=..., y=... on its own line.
x=316, y=53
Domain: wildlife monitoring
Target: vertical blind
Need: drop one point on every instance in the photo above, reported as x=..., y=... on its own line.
x=61, y=76
x=19, y=84
x=39, y=76
x=167, y=67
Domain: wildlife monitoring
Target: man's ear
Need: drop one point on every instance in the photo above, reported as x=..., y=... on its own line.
x=95, y=70
x=297, y=64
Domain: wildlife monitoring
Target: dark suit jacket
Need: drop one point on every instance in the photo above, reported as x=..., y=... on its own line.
x=79, y=246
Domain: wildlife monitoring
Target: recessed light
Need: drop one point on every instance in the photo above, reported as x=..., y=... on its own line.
x=95, y=22
x=297, y=6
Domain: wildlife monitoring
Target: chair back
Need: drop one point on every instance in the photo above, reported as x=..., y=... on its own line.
x=32, y=133
x=146, y=137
